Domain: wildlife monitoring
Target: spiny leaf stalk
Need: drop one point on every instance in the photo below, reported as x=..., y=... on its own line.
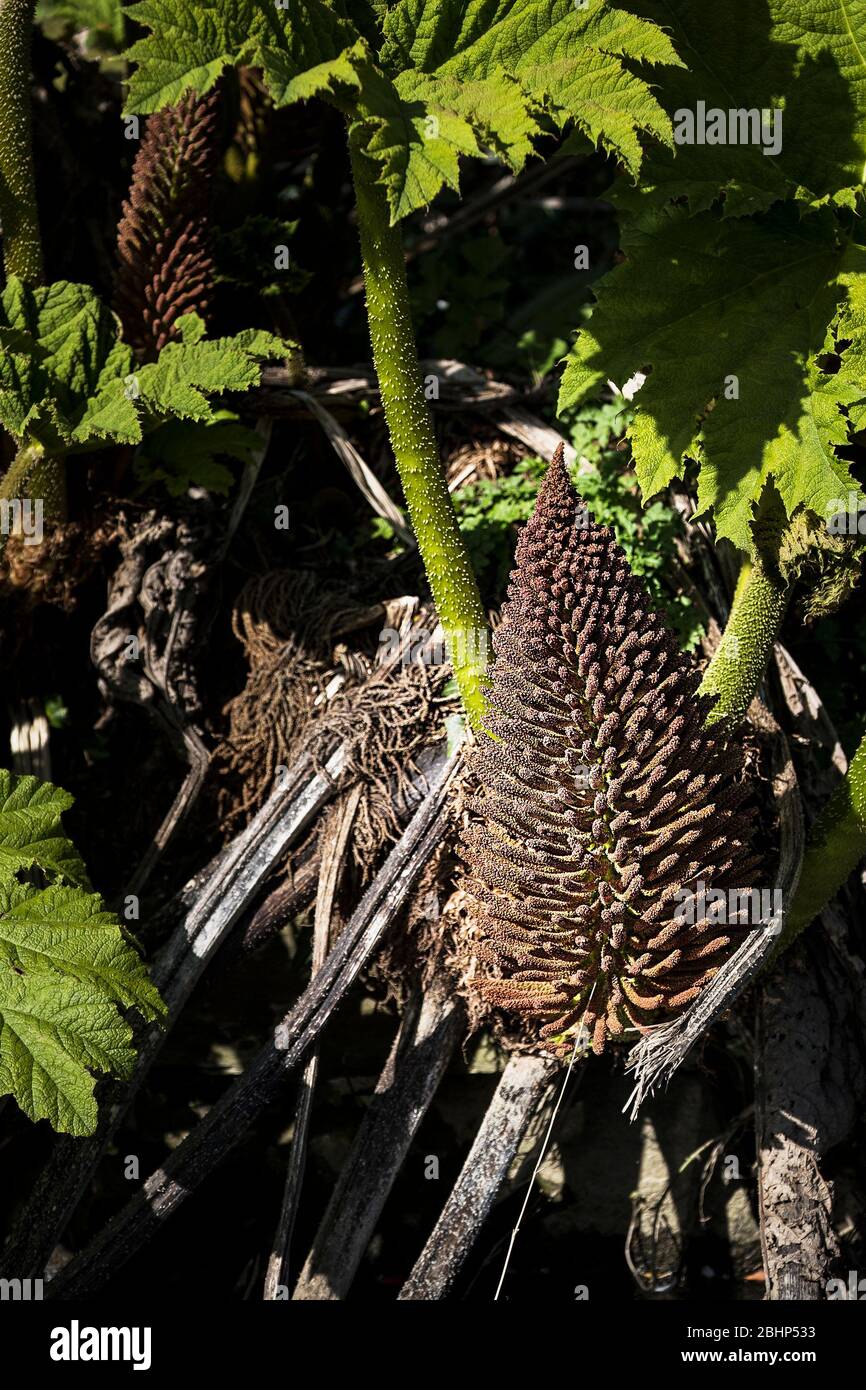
x=837, y=844
x=32, y=473
x=739, y=662
x=604, y=800
x=19, y=218
x=446, y=561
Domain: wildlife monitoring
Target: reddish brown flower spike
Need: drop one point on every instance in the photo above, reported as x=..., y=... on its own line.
x=603, y=795
x=165, y=266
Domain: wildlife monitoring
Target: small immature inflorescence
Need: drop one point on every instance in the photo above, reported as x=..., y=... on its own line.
x=165, y=265
x=603, y=796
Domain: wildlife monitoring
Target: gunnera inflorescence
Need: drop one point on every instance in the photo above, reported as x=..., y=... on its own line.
x=165, y=265
x=603, y=798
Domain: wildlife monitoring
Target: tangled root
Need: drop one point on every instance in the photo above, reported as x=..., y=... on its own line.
x=285, y=624
x=388, y=719
x=51, y=571
x=305, y=690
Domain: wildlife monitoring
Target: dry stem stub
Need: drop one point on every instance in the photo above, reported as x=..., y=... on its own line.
x=606, y=806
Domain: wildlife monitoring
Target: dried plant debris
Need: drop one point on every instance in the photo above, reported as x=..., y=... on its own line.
x=166, y=268
x=483, y=460
x=308, y=688
x=419, y=954
x=53, y=570
x=285, y=622
x=604, y=803
x=393, y=720
x=145, y=646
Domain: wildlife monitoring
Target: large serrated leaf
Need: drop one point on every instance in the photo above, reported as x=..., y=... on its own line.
x=732, y=320
x=70, y=382
x=452, y=79
x=31, y=834
x=64, y=361
x=66, y=966
x=54, y=1033
x=496, y=68
x=186, y=373
x=65, y=930
x=804, y=58
x=567, y=57
x=303, y=48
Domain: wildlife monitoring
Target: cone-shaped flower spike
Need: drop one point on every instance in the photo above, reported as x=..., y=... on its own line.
x=606, y=807
x=165, y=266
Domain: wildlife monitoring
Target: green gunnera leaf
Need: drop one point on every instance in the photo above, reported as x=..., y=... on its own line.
x=751, y=335
x=67, y=968
x=430, y=80
x=795, y=67
x=69, y=382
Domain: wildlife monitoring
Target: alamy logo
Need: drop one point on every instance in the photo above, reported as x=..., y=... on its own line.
x=467, y=647
x=77, y=1343
x=847, y=520
x=22, y=517
x=20, y=1290
x=855, y=1289
x=734, y=127
x=730, y=906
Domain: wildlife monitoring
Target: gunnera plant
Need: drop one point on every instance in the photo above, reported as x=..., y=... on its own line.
x=165, y=265
x=603, y=798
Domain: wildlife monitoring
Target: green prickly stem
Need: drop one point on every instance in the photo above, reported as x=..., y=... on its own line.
x=738, y=665
x=836, y=845
x=19, y=220
x=443, y=550
x=837, y=842
x=32, y=475
x=35, y=475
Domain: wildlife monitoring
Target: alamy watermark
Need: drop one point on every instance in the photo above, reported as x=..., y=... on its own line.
x=853, y=1289
x=736, y=126
x=21, y=1290
x=754, y=907
x=470, y=647
x=847, y=516
x=22, y=516
x=77, y=1343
